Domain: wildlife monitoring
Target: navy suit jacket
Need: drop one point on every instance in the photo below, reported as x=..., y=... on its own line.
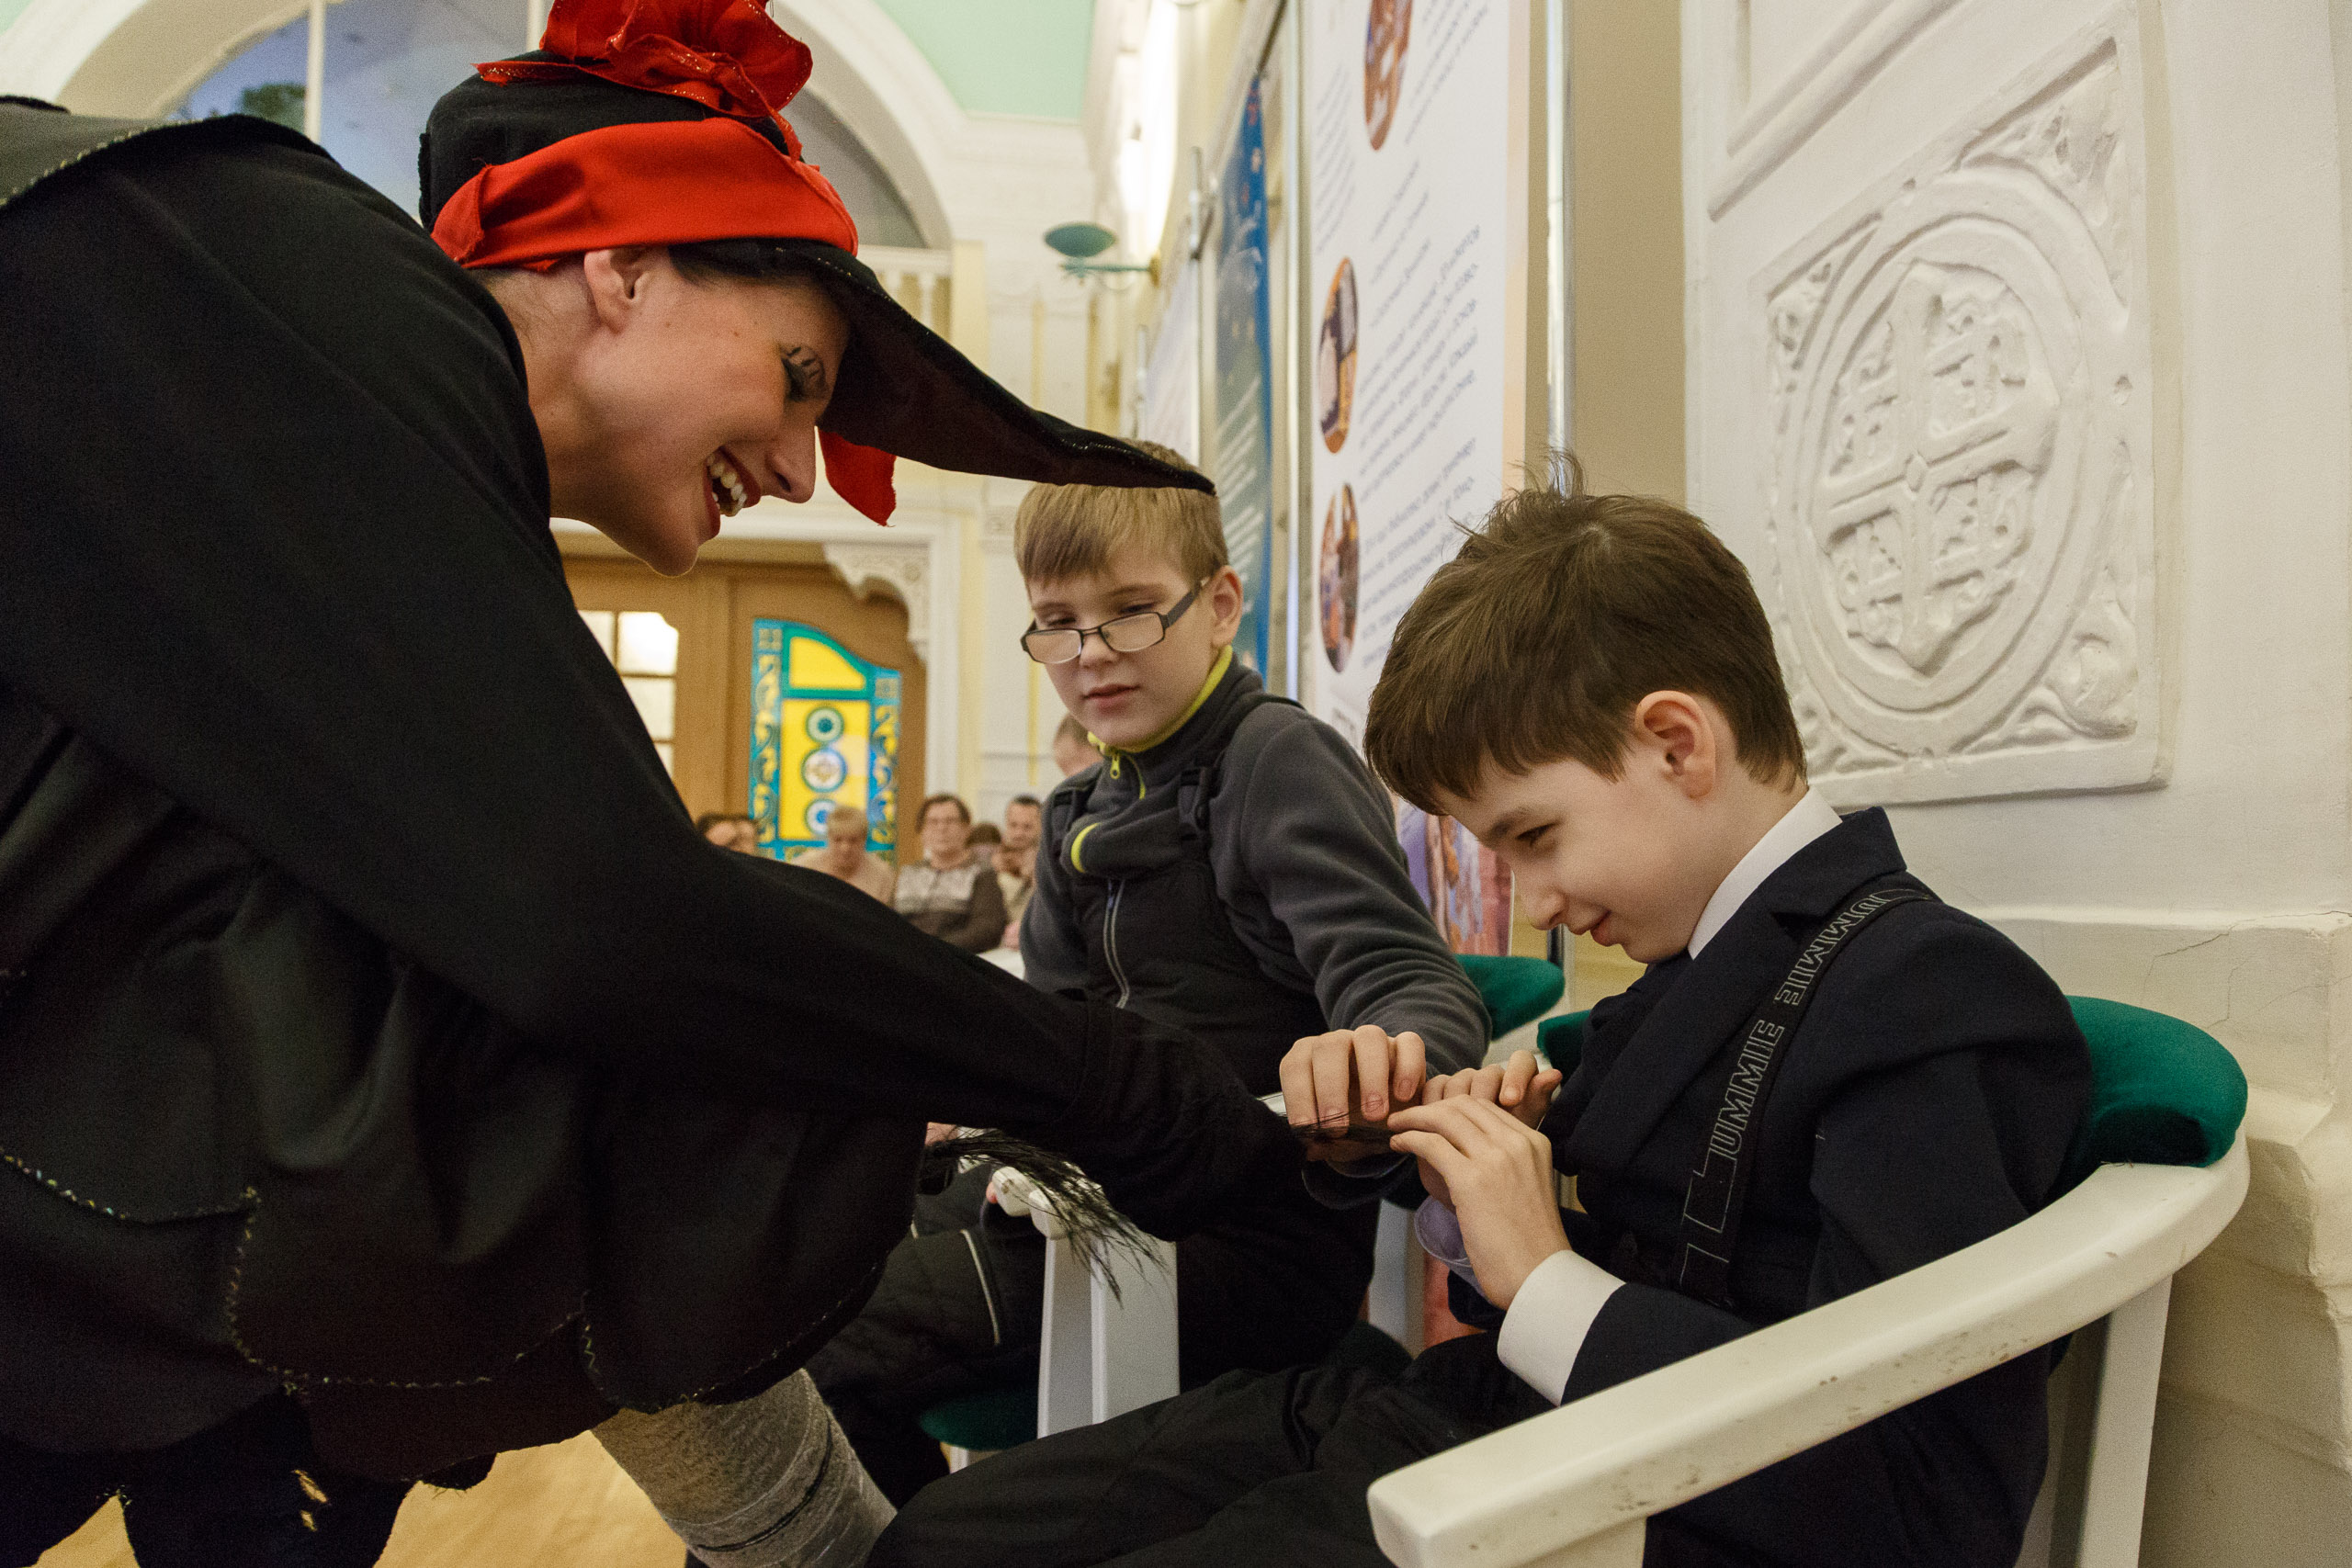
x=1926, y=1103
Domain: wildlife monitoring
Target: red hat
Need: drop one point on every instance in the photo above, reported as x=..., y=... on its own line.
x=651, y=122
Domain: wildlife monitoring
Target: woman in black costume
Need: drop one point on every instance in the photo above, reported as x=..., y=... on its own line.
x=390, y=1075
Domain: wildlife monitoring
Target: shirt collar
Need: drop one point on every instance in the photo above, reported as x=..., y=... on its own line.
x=1809, y=819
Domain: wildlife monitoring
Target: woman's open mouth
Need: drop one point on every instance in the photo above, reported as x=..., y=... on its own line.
x=729, y=490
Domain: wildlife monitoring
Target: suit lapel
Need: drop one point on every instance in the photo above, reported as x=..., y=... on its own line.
x=1702, y=1008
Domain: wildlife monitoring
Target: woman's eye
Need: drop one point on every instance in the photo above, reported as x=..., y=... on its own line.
x=1535, y=835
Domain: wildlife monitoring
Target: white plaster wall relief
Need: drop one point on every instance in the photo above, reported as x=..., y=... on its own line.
x=904, y=571
x=1960, y=495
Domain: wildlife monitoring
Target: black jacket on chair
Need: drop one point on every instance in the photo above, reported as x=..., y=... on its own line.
x=1926, y=1103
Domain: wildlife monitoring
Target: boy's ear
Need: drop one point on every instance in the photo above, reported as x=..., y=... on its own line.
x=1675, y=730
x=1225, y=602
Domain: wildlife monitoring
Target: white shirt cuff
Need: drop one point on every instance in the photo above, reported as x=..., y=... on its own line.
x=1549, y=1318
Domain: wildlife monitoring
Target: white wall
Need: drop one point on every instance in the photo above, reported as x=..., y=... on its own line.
x=2171, y=828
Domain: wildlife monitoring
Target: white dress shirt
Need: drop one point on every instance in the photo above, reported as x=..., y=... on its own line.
x=1547, y=1322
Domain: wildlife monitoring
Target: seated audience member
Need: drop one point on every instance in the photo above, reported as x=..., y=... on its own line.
x=1233, y=868
x=1592, y=689
x=951, y=892
x=1016, y=859
x=1073, y=753
x=845, y=856
x=729, y=832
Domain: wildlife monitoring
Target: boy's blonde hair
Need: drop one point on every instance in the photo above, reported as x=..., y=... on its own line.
x=1561, y=613
x=1070, y=530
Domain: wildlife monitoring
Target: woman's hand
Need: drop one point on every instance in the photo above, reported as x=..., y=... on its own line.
x=1496, y=1174
x=1351, y=1075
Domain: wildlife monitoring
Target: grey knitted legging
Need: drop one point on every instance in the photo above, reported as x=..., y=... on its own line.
x=766, y=1483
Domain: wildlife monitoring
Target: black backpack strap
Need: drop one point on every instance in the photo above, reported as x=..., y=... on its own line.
x=1063, y=809
x=1716, y=1200
x=1196, y=785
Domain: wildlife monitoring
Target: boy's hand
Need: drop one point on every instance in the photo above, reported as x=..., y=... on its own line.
x=1496, y=1171
x=1518, y=1086
x=1351, y=1075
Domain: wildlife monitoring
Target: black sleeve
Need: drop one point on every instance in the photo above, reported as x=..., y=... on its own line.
x=273, y=534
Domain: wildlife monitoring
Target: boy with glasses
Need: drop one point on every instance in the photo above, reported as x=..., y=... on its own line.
x=1232, y=869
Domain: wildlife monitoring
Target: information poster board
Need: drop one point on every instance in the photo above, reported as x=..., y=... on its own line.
x=1171, y=376
x=1244, y=469
x=1408, y=160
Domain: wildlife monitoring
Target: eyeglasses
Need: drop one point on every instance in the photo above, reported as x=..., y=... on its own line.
x=1128, y=634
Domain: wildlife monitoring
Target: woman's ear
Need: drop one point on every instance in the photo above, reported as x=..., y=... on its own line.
x=1680, y=731
x=616, y=281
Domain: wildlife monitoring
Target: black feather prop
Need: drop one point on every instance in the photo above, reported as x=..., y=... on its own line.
x=1096, y=1230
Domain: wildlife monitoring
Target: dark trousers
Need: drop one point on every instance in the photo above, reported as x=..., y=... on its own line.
x=960, y=1307
x=1254, y=1469
x=247, y=1493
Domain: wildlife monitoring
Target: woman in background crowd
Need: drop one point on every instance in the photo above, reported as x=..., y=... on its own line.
x=845, y=856
x=951, y=892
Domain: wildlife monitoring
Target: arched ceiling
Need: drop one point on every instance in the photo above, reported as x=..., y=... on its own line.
x=1019, y=57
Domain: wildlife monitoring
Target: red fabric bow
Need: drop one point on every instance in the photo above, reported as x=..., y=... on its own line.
x=724, y=54
x=665, y=182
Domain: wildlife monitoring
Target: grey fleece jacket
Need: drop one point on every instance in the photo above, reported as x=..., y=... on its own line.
x=1308, y=879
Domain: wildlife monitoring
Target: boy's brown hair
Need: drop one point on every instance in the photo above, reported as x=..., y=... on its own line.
x=1562, y=611
x=1068, y=530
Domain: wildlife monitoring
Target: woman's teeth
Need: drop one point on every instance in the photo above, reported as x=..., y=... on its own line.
x=726, y=485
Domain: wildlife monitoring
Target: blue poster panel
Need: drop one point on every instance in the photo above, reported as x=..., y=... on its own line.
x=1244, y=465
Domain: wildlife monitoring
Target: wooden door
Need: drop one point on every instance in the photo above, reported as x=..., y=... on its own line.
x=692, y=673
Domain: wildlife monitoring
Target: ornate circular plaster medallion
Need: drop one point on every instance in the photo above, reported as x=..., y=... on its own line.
x=1952, y=432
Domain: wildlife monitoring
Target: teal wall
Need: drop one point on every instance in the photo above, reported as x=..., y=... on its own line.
x=11, y=9
x=997, y=56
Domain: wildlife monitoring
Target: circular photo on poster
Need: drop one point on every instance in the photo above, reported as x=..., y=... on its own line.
x=1385, y=37
x=1336, y=578
x=1335, y=357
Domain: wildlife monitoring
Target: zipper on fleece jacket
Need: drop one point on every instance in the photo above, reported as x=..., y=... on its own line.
x=1111, y=943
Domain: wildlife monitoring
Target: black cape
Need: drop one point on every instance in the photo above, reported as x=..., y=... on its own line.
x=383, y=1030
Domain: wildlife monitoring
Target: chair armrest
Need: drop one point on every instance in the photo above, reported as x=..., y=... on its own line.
x=1557, y=1480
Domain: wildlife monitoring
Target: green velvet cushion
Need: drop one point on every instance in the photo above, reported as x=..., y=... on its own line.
x=2163, y=1092
x=1561, y=1039
x=1516, y=990
x=986, y=1422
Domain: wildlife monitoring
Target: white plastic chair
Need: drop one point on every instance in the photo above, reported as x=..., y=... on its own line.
x=1109, y=1345
x=1573, y=1488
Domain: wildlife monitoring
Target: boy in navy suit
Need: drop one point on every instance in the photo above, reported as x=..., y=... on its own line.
x=1825, y=1078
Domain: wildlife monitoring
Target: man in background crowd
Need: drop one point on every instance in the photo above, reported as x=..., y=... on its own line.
x=1073, y=753
x=951, y=892
x=729, y=832
x=845, y=856
x=1016, y=861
